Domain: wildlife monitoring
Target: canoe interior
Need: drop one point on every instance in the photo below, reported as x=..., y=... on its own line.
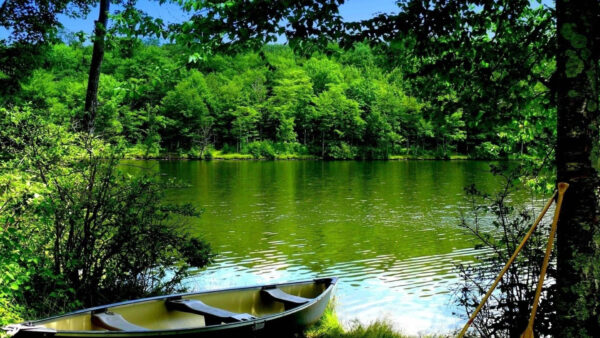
x=154, y=315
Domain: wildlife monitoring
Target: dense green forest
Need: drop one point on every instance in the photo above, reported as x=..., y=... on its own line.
x=356, y=103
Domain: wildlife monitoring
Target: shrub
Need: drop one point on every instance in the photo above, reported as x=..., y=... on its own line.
x=13, y=276
x=208, y=154
x=8, y=313
x=342, y=151
x=84, y=232
x=228, y=149
x=261, y=149
x=507, y=312
x=487, y=150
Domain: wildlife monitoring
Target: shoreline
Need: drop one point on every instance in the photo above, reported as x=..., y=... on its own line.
x=249, y=157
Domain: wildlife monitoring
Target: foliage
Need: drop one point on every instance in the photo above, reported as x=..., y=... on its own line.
x=337, y=106
x=261, y=150
x=507, y=311
x=189, y=113
x=14, y=276
x=76, y=230
x=35, y=21
x=242, y=25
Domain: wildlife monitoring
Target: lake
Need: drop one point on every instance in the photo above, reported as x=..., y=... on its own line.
x=388, y=229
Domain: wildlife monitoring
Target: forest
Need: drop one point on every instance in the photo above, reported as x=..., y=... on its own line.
x=353, y=103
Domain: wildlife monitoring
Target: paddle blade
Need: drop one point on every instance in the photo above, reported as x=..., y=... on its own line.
x=528, y=333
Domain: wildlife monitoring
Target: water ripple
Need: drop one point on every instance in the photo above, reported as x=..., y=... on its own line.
x=387, y=229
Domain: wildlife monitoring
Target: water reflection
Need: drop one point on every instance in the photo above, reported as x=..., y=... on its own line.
x=388, y=229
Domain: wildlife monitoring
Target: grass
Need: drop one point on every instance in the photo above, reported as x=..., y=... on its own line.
x=295, y=157
x=428, y=157
x=413, y=157
x=217, y=155
x=330, y=327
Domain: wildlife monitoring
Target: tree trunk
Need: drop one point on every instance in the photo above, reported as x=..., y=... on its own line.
x=91, y=97
x=322, y=145
x=578, y=241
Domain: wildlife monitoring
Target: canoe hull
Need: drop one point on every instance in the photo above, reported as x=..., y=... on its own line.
x=278, y=324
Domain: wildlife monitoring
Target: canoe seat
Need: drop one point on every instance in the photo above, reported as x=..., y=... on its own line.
x=212, y=315
x=289, y=301
x=114, y=322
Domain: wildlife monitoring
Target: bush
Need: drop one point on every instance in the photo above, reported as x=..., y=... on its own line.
x=290, y=148
x=260, y=149
x=507, y=312
x=208, y=154
x=442, y=154
x=341, y=151
x=83, y=232
x=8, y=313
x=228, y=149
x=487, y=150
x=145, y=151
x=14, y=276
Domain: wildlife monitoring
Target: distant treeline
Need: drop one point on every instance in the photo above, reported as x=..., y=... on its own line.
x=334, y=104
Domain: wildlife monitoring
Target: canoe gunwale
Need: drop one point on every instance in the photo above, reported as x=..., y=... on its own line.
x=257, y=323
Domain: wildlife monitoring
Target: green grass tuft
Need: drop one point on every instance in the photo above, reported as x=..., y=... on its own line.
x=330, y=326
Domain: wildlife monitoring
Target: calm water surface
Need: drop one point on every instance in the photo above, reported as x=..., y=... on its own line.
x=387, y=229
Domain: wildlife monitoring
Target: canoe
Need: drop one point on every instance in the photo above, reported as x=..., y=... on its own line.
x=264, y=310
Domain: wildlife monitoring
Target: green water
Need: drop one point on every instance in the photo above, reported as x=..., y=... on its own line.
x=387, y=229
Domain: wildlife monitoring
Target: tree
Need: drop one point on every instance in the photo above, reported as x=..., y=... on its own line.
x=189, y=108
x=244, y=125
x=289, y=110
x=132, y=23
x=91, y=96
x=339, y=123
x=451, y=130
x=36, y=21
x=578, y=34
x=242, y=24
x=323, y=73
